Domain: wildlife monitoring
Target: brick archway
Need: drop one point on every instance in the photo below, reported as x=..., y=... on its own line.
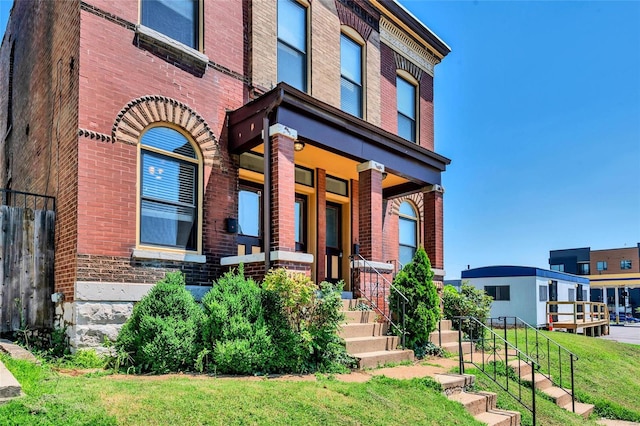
x=141, y=112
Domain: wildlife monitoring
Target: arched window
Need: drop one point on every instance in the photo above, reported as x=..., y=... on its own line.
x=169, y=175
x=407, y=232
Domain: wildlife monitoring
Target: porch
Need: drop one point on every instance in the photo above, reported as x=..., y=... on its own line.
x=318, y=185
x=591, y=317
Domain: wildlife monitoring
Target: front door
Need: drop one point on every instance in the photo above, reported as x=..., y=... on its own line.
x=334, y=243
x=553, y=297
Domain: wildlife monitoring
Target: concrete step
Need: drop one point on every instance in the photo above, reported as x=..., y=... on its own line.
x=560, y=396
x=452, y=347
x=368, y=329
x=446, y=336
x=473, y=403
x=542, y=382
x=454, y=383
x=445, y=325
x=521, y=368
x=380, y=358
x=371, y=344
x=583, y=410
x=359, y=316
x=500, y=418
x=9, y=386
x=350, y=304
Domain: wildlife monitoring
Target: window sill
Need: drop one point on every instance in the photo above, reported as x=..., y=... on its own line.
x=167, y=255
x=171, y=50
x=286, y=256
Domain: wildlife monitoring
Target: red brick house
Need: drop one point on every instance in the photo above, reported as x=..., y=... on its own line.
x=148, y=121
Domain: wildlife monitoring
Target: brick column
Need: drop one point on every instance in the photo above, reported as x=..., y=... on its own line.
x=433, y=232
x=370, y=210
x=283, y=192
x=321, y=221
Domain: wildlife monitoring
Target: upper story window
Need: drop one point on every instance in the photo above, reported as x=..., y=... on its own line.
x=292, y=44
x=625, y=264
x=407, y=232
x=169, y=174
x=177, y=19
x=601, y=266
x=559, y=268
x=584, y=269
x=351, y=76
x=407, y=109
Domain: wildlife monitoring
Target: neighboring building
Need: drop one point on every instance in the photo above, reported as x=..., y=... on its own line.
x=148, y=121
x=614, y=274
x=523, y=291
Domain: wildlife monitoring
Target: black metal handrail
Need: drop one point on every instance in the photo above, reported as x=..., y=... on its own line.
x=539, y=347
x=12, y=198
x=374, y=292
x=492, y=358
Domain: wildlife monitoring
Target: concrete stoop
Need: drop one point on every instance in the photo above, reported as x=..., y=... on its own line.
x=481, y=405
x=561, y=397
x=366, y=338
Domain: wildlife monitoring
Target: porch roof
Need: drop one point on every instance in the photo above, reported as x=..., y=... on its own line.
x=334, y=130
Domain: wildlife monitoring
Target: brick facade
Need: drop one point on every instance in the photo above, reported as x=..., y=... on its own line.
x=87, y=83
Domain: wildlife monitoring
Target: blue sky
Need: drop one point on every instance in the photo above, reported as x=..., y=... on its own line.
x=538, y=106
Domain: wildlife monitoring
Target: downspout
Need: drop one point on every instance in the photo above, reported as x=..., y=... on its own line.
x=266, y=192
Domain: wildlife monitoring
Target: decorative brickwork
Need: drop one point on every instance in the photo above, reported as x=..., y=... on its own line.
x=349, y=18
x=403, y=63
x=141, y=112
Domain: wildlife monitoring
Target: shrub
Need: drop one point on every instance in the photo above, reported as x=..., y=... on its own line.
x=235, y=330
x=415, y=281
x=469, y=302
x=163, y=333
x=314, y=316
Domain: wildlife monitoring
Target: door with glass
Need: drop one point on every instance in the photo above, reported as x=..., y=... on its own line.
x=334, y=243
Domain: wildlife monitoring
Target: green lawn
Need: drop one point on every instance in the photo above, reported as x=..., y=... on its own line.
x=98, y=399
x=606, y=374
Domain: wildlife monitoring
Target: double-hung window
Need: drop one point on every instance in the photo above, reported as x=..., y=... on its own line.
x=407, y=106
x=350, y=76
x=292, y=44
x=177, y=19
x=407, y=232
x=170, y=170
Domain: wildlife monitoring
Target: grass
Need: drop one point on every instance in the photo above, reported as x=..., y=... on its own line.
x=97, y=399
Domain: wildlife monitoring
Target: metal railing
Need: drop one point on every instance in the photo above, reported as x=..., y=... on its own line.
x=495, y=353
x=540, y=347
x=376, y=288
x=25, y=200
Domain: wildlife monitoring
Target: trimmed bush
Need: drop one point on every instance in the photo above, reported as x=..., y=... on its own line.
x=415, y=281
x=471, y=302
x=235, y=330
x=163, y=333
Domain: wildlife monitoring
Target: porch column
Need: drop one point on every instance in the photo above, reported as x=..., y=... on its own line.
x=370, y=210
x=283, y=198
x=321, y=227
x=433, y=233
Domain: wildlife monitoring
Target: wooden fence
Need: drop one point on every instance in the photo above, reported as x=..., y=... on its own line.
x=26, y=267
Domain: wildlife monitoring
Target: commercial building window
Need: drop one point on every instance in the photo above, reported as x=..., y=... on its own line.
x=350, y=76
x=625, y=264
x=601, y=266
x=407, y=232
x=177, y=19
x=543, y=293
x=498, y=292
x=406, y=93
x=292, y=44
x=559, y=268
x=584, y=269
x=170, y=170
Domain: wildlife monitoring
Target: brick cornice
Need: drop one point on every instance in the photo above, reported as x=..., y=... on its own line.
x=94, y=135
x=140, y=112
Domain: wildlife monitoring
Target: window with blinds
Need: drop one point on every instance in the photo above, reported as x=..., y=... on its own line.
x=169, y=169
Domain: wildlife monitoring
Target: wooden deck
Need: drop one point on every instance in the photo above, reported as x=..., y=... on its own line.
x=591, y=317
